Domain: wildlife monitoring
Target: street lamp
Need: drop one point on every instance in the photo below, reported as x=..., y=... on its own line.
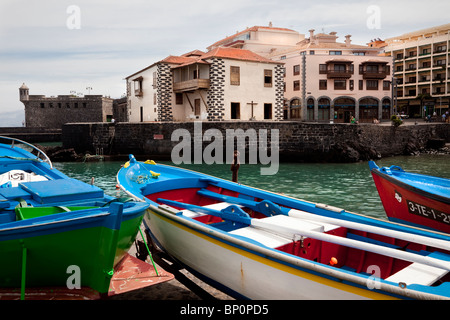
x=89, y=89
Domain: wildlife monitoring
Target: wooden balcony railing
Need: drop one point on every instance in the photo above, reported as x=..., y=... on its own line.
x=191, y=85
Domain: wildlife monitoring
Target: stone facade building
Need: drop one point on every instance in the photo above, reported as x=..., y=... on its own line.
x=221, y=84
x=53, y=112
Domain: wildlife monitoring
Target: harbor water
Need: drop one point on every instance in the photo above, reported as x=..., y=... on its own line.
x=349, y=185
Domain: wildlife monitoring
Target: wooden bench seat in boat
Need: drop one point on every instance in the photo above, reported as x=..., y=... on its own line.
x=417, y=273
x=286, y=226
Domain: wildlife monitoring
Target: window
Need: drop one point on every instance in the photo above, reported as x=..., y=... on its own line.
x=441, y=49
x=322, y=68
x=235, y=76
x=372, y=84
x=84, y=105
x=59, y=105
x=386, y=85
x=75, y=105
x=283, y=58
x=138, y=86
x=155, y=78
x=179, y=98
x=340, y=84
x=361, y=84
x=339, y=67
x=195, y=74
x=42, y=105
x=50, y=105
x=312, y=52
x=351, y=84
x=359, y=53
x=322, y=84
x=154, y=98
x=297, y=85
x=335, y=53
x=296, y=70
x=267, y=78
x=372, y=68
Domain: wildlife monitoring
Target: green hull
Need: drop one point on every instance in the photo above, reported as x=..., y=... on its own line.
x=50, y=259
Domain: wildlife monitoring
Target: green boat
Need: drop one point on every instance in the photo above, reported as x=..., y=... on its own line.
x=57, y=232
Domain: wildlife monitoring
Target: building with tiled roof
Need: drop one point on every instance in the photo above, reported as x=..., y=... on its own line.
x=327, y=80
x=221, y=84
x=261, y=39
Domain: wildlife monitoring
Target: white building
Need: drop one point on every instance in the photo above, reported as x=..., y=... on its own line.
x=222, y=84
x=421, y=69
x=262, y=40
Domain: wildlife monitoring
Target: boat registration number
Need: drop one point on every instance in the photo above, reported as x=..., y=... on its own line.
x=427, y=212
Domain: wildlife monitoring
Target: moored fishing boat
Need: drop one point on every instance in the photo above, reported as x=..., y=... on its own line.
x=412, y=198
x=254, y=244
x=58, y=232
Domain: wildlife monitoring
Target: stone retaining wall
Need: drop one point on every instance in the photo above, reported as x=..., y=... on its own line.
x=299, y=142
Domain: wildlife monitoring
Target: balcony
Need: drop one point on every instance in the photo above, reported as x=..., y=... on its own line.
x=377, y=75
x=339, y=74
x=191, y=85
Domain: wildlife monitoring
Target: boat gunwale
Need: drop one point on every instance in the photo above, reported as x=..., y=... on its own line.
x=410, y=187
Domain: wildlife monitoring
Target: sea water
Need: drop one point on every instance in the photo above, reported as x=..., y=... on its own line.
x=346, y=185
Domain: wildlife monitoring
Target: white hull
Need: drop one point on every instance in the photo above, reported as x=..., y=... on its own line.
x=246, y=273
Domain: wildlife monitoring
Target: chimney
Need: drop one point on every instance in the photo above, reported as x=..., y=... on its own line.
x=347, y=40
x=311, y=36
x=270, y=24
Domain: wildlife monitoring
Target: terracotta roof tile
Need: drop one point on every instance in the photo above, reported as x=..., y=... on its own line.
x=236, y=54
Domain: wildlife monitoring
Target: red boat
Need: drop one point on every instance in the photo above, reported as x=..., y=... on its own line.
x=413, y=199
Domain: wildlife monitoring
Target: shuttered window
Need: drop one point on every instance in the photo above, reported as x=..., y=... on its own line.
x=267, y=78
x=235, y=76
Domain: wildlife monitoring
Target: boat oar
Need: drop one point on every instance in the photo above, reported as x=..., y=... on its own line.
x=269, y=209
x=234, y=213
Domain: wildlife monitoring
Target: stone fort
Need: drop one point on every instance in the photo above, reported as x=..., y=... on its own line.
x=54, y=112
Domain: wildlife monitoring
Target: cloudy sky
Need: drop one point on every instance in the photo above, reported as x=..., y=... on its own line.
x=58, y=46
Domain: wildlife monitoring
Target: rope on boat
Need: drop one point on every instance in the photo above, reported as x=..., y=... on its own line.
x=151, y=258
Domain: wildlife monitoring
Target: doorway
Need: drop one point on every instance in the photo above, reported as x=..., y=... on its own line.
x=235, y=110
x=267, y=111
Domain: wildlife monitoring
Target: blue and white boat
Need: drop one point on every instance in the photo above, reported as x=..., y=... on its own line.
x=255, y=244
x=52, y=225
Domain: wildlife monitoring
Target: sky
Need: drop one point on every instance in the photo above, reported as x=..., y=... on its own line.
x=59, y=47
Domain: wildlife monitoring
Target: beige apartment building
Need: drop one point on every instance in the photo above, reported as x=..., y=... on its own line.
x=221, y=84
x=421, y=70
x=327, y=80
x=262, y=40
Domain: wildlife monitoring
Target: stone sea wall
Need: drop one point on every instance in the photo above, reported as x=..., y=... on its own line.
x=298, y=142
